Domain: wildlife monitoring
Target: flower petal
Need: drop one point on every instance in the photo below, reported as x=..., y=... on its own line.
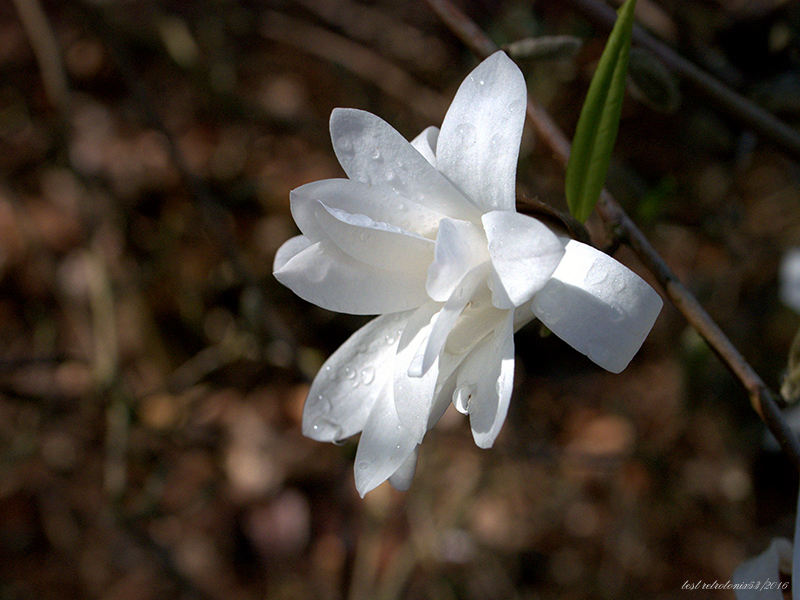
x=346, y=387
x=379, y=202
x=478, y=145
x=447, y=317
x=372, y=151
x=413, y=395
x=324, y=275
x=485, y=381
x=384, y=447
x=767, y=566
x=425, y=143
x=460, y=246
x=402, y=478
x=598, y=306
x=289, y=249
x=524, y=253
x=375, y=243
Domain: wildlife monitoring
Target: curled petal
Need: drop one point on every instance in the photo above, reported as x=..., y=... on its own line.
x=380, y=203
x=478, y=145
x=460, y=247
x=450, y=313
x=376, y=243
x=324, y=275
x=289, y=249
x=413, y=390
x=425, y=143
x=485, y=381
x=524, y=254
x=346, y=387
x=372, y=151
x=598, y=306
x=384, y=447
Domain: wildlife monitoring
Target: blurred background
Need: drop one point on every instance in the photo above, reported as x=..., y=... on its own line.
x=153, y=373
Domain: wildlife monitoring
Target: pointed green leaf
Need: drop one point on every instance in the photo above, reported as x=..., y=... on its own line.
x=599, y=120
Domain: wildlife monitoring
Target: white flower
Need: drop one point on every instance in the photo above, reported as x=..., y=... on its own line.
x=427, y=235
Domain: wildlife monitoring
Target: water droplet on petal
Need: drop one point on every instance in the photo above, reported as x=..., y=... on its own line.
x=362, y=466
x=549, y=302
x=462, y=396
x=363, y=236
x=345, y=144
x=617, y=313
x=376, y=154
x=595, y=276
x=618, y=285
x=466, y=134
x=367, y=375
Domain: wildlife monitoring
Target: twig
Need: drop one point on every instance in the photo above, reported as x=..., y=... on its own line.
x=754, y=116
x=354, y=57
x=761, y=397
x=45, y=47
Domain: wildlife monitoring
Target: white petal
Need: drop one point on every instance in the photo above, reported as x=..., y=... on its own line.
x=379, y=202
x=425, y=143
x=324, y=275
x=460, y=247
x=598, y=306
x=376, y=243
x=346, y=387
x=450, y=313
x=372, y=151
x=402, y=478
x=478, y=319
x=524, y=254
x=485, y=381
x=413, y=395
x=764, y=567
x=289, y=249
x=384, y=447
x=478, y=145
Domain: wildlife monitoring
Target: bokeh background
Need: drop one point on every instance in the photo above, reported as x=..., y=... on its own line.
x=153, y=373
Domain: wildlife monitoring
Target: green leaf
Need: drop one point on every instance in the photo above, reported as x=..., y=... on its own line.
x=599, y=120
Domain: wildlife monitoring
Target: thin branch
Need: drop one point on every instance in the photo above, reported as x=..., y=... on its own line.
x=45, y=47
x=369, y=65
x=762, y=398
x=753, y=115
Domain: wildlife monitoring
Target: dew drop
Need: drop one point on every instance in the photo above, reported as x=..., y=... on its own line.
x=462, y=396
x=617, y=313
x=362, y=466
x=595, y=276
x=349, y=373
x=345, y=144
x=367, y=375
x=363, y=236
x=549, y=302
x=389, y=339
x=466, y=134
x=481, y=82
x=618, y=285
x=376, y=154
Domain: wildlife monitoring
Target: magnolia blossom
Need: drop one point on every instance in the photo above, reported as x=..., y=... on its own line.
x=426, y=234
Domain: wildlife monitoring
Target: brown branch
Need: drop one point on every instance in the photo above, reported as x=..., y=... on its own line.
x=761, y=397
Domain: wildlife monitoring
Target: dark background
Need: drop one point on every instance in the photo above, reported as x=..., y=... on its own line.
x=152, y=372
